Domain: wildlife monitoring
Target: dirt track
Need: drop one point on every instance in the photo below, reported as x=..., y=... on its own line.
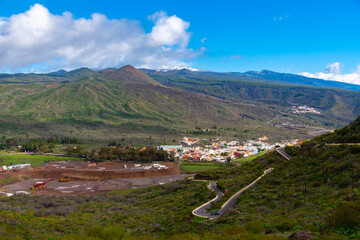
x=90, y=187
x=93, y=178
x=85, y=171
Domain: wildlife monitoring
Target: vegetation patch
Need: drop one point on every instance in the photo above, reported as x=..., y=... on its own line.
x=190, y=167
x=35, y=160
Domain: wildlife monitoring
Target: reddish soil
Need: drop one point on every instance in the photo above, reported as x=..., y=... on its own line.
x=84, y=171
x=89, y=187
x=90, y=178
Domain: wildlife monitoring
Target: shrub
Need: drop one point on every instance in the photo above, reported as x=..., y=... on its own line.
x=255, y=226
x=354, y=149
x=344, y=182
x=286, y=224
x=347, y=215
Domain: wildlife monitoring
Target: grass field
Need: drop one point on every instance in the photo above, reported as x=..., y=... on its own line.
x=198, y=167
x=144, y=112
x=35, y=160
x=250, y=158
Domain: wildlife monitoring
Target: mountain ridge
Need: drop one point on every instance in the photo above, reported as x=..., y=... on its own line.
x=174, y=102
x=129, y=74
x=298, y=79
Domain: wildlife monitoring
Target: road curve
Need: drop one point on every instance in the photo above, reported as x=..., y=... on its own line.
x=281, y=151
x=201, y=211
x=339, y=144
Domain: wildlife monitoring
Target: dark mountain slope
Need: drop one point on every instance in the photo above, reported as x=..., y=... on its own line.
x=339, y=105
x=311, y=191
x=174, y=102
x=298, y=79
x=348, y=134
x=125, y=99
x=55, y=77
x=129, y=75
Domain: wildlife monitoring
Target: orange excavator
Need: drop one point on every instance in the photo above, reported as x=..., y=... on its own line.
x=64, y=179
x=41, y=185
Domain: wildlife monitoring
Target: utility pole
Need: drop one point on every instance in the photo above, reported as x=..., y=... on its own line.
x=352, y=182
x=352, y=174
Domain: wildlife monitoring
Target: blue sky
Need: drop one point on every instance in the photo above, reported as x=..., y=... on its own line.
x=284, y=36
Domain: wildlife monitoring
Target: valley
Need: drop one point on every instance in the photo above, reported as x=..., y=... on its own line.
x=156, y=107
x=311, y=192
x=168, y=120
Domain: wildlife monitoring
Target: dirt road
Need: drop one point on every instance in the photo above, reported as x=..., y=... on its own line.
x=90, y=187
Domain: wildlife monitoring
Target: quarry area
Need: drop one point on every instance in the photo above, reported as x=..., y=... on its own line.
x=81, y=177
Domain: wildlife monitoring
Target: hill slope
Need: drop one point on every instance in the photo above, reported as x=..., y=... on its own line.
x=55, y=77
x=348, y=134
x=310, y=192
x=125, y=102
x=129, y=74
x=341, y=106
x=120, y=101
x=298, y=79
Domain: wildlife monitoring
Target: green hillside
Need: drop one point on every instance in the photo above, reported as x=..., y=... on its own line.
x=310, y=192
x=56, y=77
x=348, y=134
x=298, y=79
x=126, y=100
x=339, y=106
x=157, y=107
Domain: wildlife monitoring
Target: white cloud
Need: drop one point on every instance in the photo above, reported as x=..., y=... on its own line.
x=39, y=40
x=332, y=73
x=169, y=30
x=203, y=39
x=236, y=57
x=333, y=68
x=280, y=18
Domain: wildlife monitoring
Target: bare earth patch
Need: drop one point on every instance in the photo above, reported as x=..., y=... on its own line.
x=93, y=178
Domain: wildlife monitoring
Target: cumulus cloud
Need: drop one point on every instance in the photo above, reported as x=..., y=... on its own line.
x=39, y=40
x=333, y=68
x=280, y=18
x=333, y=73
x=236, y=57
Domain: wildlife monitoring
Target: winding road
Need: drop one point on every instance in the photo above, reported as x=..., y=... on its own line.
x=338, y=144
x=281, y=151
x=201, y=210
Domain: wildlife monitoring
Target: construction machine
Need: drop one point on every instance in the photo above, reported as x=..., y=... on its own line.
x=64, y=179
x=41, y=185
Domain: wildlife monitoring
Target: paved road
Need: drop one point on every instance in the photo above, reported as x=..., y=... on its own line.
x=338, y=144
x=281, y=151
x=277, y=116
x=201, y=211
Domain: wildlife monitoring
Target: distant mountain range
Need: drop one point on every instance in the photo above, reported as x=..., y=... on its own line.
x=127, y=102
x=297, y=79
x=63, y=75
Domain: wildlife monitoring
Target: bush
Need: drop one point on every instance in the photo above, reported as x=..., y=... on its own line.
x=286, y=225
x=348, y=216
x=255, y=226
x=354, y=149
x=344, y=182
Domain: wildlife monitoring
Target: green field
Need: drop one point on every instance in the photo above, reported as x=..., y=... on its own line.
x=35, y=160
x=250, y=158
x=198, y=167
x=312, y=192
x=131, y=108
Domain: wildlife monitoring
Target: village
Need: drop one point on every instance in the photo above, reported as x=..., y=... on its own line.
x=304, y=109
x=222, y=151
